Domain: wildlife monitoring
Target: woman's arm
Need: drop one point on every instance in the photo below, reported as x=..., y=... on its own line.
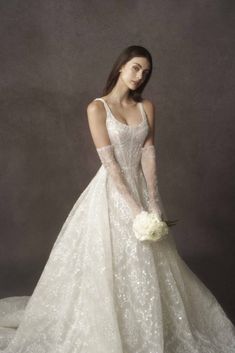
x=149, y=164
x=97, y=124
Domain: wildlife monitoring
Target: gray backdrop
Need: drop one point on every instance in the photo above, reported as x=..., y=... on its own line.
x=55, y=58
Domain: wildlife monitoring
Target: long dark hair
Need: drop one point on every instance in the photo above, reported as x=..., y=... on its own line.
x=127, y=54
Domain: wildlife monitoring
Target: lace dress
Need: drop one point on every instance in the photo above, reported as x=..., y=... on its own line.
x=103, y=291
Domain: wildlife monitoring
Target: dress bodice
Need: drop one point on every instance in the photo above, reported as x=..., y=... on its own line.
x=126, y=139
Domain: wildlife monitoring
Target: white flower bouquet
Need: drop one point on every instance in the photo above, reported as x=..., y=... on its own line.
x=147, y=226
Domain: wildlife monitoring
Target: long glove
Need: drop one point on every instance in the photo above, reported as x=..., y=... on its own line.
x=107, y=157
x=148, y=163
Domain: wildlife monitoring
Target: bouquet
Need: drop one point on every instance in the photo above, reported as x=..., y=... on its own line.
x=147, y=226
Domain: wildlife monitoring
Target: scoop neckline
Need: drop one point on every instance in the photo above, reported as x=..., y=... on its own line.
x=121, y=123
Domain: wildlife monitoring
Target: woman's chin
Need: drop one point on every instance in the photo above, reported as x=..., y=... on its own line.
x=132, y=87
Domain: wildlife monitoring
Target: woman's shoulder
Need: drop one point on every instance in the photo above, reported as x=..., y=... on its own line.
x=147, y=103
x=96, y=110
x=149, y=107
x=95, y=105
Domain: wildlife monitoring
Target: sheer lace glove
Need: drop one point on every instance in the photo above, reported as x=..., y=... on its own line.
x=107, y=157
x=148, y=163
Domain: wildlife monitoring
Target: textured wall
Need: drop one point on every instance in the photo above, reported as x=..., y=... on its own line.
x=55, y=58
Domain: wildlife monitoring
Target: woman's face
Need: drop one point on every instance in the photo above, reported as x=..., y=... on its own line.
x=134, y=72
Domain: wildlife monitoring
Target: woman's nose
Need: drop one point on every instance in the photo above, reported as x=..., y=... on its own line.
x=139, y=75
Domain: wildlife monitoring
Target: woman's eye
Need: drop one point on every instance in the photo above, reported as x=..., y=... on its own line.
x=135, y=68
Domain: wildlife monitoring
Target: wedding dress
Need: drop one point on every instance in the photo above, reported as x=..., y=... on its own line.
x=104, y=291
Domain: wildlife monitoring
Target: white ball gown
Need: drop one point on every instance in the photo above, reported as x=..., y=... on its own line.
x=104, y=291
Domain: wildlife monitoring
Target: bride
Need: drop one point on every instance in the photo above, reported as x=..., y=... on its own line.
x=114, y=281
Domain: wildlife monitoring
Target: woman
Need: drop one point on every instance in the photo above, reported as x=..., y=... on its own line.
x=103, y=289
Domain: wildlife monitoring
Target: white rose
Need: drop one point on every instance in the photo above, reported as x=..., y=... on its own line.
x=147, y=226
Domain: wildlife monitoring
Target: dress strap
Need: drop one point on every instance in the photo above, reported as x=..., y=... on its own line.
x=142, y=110
x=105, y=104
